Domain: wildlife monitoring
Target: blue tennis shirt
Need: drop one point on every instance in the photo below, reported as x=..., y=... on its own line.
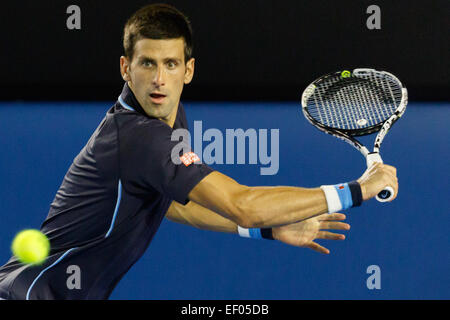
x=108, y=208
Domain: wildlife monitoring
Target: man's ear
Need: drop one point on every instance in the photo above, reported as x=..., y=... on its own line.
x=189, y=74
x=125, y=68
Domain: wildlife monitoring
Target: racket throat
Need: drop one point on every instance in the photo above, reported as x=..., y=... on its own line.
x=373, y=157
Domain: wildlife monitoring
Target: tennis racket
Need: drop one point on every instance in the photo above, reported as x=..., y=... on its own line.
x=347, y=104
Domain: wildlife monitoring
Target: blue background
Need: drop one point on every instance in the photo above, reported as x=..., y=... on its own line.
x=408, y=238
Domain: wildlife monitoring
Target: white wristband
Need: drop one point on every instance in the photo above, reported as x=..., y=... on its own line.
x=333, y=201
x=243, y=232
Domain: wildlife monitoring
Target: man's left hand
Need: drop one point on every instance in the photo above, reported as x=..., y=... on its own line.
x=303, y=233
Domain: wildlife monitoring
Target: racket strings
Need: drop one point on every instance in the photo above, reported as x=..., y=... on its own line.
x=354, y=103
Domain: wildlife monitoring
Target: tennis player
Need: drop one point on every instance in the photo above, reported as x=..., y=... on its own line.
x=124, y=181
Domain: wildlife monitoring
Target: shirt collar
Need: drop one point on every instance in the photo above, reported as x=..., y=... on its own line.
x=128, y=100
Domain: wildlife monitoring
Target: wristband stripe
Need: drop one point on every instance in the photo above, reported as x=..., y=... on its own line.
x=266, y=233
x=255, y=233
x=355, y=189
x=345, y=195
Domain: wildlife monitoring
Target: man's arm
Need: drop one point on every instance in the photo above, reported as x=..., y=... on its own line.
x=259, y=207
x=200, y=217
x=300, y=234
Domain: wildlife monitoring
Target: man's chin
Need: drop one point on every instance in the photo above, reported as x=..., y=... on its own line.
x=157, y=111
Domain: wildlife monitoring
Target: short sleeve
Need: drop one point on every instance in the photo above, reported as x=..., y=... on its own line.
x=146, y=160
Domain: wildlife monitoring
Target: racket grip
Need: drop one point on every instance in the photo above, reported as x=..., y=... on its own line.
x=387, y=193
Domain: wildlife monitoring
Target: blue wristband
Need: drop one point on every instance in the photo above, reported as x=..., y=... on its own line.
x=342, y=196
x=256, y=233
x=345, y=195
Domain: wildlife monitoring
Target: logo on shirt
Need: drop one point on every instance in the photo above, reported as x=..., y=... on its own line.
x=189, y=158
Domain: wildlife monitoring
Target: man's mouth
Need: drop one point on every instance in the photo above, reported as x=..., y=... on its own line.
x=157, y=97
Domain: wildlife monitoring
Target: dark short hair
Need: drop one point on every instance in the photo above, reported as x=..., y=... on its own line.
x=157, y=21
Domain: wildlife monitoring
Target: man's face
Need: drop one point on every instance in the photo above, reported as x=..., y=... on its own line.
x=157, y=74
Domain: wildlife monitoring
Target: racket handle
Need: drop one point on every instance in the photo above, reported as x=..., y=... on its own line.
x=387, y=193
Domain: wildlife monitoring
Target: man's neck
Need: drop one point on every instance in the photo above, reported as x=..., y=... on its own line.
x=170, y=120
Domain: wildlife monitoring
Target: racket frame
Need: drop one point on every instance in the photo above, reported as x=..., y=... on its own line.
x=348, y=135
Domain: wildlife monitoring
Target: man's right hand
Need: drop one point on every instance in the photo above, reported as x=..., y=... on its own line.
x=376, y=178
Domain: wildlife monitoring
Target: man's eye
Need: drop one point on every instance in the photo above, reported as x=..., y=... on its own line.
x=171, y=64
x=147, y=63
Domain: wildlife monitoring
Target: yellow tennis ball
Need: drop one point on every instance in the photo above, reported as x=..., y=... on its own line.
x=346, y=74
x=30, y=246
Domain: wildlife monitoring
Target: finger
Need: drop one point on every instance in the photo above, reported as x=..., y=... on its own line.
x=330, y=235
x=393, y=183
x=391, y=175
x=390, y=179
x=333, y=225
x=391, y=169
x=317, y=247
x=333, y=217
x=323, y=216
x=395, y=193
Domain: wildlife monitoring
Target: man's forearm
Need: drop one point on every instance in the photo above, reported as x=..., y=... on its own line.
x=200, y=217
x=275, y=206
x=287, y=199
x=258, y=207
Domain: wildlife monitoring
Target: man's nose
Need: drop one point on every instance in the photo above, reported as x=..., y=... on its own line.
x=158, y=78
